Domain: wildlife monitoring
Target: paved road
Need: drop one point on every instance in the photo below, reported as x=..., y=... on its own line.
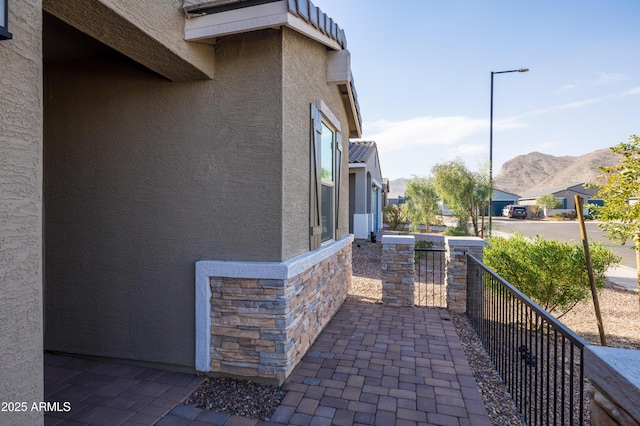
x=624, y=275
x=564, y=231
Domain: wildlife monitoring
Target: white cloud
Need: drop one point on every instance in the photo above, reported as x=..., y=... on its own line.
x=570, y=105
x=630, y=92
x=422, y=131
x=601, y=79
x=583, y=103
x=604, y=79
x=568, y=88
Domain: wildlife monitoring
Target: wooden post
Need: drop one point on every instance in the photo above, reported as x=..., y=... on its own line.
x=592, y=281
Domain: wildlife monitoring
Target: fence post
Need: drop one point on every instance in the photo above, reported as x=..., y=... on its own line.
x=398, y=268
x=456, y=270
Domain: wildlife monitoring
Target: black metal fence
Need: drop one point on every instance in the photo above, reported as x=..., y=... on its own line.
x=539, y=359
x=429, y=286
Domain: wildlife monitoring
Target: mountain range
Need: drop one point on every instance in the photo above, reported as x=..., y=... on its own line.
x=535, y=170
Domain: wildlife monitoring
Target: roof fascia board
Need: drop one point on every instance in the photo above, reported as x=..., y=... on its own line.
x=207, y=28
x=339, y=67
x=339, y=74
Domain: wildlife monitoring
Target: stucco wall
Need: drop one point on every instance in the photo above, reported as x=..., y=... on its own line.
x=21, y=362
x=150, y=32
x=304, y=81
x=143, y=177
x=362, y=190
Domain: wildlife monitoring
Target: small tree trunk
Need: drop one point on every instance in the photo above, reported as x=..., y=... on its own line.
x=474, y=219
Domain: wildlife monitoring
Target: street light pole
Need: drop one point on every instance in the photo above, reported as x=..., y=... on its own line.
x=491, y=144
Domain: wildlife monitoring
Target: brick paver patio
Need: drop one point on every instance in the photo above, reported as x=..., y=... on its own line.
x=372, y=365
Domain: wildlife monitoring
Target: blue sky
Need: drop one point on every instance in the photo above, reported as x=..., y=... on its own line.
x=422, y=72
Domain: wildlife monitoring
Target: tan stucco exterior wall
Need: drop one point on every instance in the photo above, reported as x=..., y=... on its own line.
x=144, y=177
x=21, y=356
x=305, y=81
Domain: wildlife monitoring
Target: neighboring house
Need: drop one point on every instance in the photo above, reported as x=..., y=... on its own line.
x=397, y=201
x=366, y=189
x=564, y=193
x=173, y=187
x=500, y=200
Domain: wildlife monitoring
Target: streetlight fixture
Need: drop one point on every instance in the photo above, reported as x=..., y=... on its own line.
x=491, y=143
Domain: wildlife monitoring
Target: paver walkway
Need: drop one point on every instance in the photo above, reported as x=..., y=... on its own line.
x=372, y=365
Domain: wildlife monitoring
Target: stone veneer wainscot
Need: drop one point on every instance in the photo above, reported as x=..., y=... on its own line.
x=258, y=319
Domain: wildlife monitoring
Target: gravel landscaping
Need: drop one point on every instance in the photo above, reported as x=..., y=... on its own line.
x=239, y=397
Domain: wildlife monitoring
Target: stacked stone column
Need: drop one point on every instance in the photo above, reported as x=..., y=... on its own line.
x=398, y=268
x=456, y=273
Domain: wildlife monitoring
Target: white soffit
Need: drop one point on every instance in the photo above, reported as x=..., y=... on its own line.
x=206, y=28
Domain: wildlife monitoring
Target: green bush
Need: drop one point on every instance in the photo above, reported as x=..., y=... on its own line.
x=414, y=227
x=393, y=216
x=421, y=244
x=460, y=230
x=424, y=244
x=552, y=273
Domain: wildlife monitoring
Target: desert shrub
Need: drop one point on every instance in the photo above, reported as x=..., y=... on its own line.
x=436, y=221
x=414, y=227
x=552, y=273
x=421, y=244
x=393, y=216
x=424, y=244
x=558, y=216
x=460, y=230
x=572, y=215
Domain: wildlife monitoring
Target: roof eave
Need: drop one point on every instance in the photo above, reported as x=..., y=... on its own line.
x=204, y=24
x=208, y=20
x=339, y=74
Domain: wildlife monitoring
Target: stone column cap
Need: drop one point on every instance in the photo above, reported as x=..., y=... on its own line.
x=398, y=239
x=616, y=372
x=464, y=241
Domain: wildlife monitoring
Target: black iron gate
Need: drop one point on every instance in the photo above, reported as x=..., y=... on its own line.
x=429, y=278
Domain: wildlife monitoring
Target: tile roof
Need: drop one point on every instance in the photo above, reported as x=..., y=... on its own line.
x=361, y=151
x=552, y=190
x=306, y=10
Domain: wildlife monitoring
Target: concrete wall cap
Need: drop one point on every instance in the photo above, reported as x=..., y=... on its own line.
x=617, y=372
x=398, y=239
x=464, y=241
x=269, y=270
